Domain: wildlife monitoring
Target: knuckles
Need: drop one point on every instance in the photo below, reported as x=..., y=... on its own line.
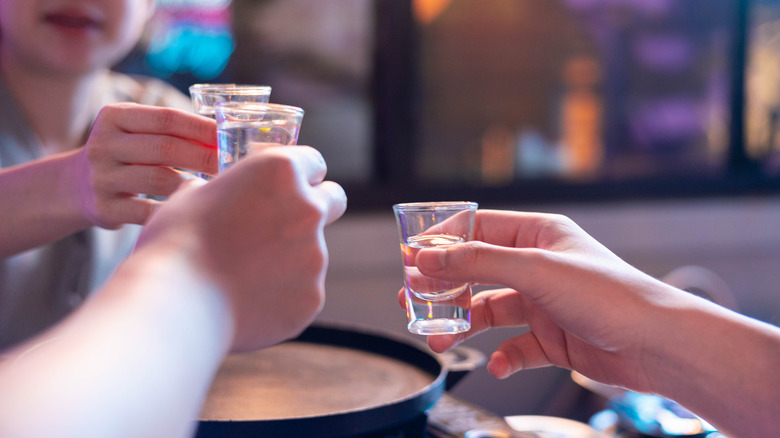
x=164, y=119
x=559, y=222
x=106, y=216
x=162, y=181
x=559, y=219
x=113, y=111
x=162, y=149
x=465, y=254
x=96, y=150
x=210, y=159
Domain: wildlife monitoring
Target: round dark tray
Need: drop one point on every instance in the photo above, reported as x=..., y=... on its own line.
x=331, y=381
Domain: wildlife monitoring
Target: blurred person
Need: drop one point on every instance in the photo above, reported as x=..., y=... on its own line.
x=69, y=196
x=233, y=265
x=588, y=310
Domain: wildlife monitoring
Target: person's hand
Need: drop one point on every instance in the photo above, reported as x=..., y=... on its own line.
x=586, y=308
x=132, y=150
x=256, y=232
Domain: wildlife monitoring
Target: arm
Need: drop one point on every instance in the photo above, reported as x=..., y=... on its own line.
x=589, y=311
x=236, y=264
x=138, y=356
x=724, y=367
x=37, y=207
x=131, y=150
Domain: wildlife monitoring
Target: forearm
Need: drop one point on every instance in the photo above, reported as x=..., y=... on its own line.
x=137, y=360
x=38, y=202
x=722, y=366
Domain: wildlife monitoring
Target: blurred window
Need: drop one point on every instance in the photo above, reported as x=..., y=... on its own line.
x=506, y=100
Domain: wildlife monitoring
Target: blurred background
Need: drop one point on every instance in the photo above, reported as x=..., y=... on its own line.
x=652, y=123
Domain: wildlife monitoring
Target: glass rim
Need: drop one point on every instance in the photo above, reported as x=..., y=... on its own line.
x=435, y=205
x=277, y=107
x=232, y=88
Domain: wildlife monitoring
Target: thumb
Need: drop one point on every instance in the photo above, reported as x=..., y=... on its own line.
x=477, y=262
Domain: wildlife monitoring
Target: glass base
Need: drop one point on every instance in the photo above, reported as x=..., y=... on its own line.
x=439, y=326
x=445, y=317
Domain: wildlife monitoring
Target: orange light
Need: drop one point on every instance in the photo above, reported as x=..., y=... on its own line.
x=426, y=11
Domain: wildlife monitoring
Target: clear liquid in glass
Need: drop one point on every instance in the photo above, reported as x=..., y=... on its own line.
x=234, y=139
x=420, y=285
x=434, y=306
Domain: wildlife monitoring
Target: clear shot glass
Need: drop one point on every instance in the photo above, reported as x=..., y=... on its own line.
x=205, y=98
x=239, y=125
x=434, y=306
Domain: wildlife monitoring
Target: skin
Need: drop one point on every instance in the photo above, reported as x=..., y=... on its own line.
x=589, y=311
x=53, y=52
x=127, y=154
x=233, y=265
x=53, y=55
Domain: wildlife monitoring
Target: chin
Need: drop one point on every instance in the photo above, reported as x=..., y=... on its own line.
x=80, y=64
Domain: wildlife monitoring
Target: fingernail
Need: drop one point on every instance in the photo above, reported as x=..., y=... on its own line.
x=497, y=368
x=491, y=368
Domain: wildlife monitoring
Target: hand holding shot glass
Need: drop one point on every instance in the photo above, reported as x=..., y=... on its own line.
x=434, y=306
x=239, y=125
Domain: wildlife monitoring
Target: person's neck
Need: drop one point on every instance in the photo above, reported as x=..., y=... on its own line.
x=60, y=108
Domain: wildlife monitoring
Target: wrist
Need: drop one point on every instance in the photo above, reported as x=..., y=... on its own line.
x=41, y=196
x=166, y=272
x=715, y=362
x=69, y=174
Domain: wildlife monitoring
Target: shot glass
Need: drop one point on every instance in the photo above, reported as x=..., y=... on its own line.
x=434, y=306
x=205, y=98
x=241, y=124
